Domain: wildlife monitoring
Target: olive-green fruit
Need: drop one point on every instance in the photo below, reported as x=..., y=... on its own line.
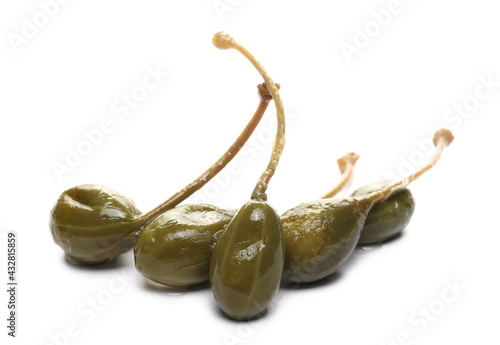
x=175, y=248
x=247, y=261
x=94, y=224
x=319, y=237
x=388, y=217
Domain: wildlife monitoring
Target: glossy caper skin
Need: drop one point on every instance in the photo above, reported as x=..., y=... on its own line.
x=388, y=217
x=319, y=237
x=175, y=248
x=93, y=224
x=247, y=262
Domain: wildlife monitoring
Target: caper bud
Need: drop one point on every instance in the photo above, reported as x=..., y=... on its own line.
x=388, y=217
x=175, y=248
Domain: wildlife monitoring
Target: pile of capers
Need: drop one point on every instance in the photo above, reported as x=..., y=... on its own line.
x=245, y=254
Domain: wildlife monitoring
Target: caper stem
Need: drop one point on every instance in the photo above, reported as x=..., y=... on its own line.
x=199, y=182
x=346, y=165
x=223, y=40
x=442, y=138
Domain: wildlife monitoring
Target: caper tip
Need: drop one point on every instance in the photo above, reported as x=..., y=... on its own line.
x=347, y=160
x=223, y=40
x=443, y=135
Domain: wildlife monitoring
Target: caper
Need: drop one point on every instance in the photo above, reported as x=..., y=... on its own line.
x=175, y=248
x=320, y=236
x=94, y=224
x=388, y=217
x=248, y=259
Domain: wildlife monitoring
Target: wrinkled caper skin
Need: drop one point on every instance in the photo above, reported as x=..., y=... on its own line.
x=247, y=262
x=319, y=237
x=175, y=248
x=387, y=218
x=93, y=224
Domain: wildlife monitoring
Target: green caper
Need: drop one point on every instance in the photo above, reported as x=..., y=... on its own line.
x=94, y=224
x=175, y=248
x=320, y=236
x=248, y=259
x=388, y=217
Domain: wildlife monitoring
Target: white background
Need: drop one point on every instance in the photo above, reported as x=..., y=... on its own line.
x=64, y=77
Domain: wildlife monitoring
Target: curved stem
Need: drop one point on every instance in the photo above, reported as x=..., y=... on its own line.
x=224, y=41
x=346, y=165
x=442, y=138
x=199, y=182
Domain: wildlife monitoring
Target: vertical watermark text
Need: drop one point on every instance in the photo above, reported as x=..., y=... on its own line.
x=12, y=285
